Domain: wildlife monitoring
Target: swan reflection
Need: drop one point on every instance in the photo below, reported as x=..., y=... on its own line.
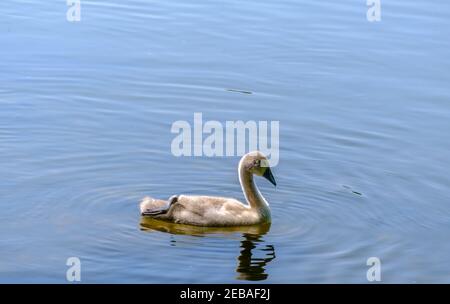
x=253, y=268
x=254, y=254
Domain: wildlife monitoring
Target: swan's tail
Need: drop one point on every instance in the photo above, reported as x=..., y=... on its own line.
x=152, y=207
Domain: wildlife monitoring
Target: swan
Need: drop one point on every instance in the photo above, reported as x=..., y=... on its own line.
x=218, y=211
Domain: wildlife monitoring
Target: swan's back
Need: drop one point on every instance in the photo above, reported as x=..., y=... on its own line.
x=201, y=211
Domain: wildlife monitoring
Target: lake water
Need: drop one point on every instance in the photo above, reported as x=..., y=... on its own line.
x=86, y=110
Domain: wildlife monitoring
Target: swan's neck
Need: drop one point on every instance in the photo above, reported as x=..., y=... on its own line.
x=251, y=192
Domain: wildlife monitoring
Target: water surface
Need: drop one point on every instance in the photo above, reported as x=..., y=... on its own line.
x=86, y=110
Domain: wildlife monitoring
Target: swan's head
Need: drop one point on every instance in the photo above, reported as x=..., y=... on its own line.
x=258, y=164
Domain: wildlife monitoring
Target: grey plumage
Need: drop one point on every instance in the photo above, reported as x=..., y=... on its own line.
x=217, y=211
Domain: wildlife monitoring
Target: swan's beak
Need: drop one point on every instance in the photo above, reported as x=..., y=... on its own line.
x=269, y=176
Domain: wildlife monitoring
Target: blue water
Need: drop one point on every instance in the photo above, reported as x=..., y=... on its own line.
x=86, y=110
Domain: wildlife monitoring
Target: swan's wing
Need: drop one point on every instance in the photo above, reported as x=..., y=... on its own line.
x=206, y=202
x=199, y=210
x=151, y=207
x=208, y=205
x=210, y=211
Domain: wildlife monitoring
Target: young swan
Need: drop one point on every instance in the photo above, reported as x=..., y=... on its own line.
x=218, y=211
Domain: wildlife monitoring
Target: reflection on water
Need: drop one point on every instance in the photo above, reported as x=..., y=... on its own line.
x=253, y=268
x=152, y=224
x=250, y=267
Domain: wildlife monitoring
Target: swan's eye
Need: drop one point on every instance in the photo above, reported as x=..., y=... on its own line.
x=257, y=162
